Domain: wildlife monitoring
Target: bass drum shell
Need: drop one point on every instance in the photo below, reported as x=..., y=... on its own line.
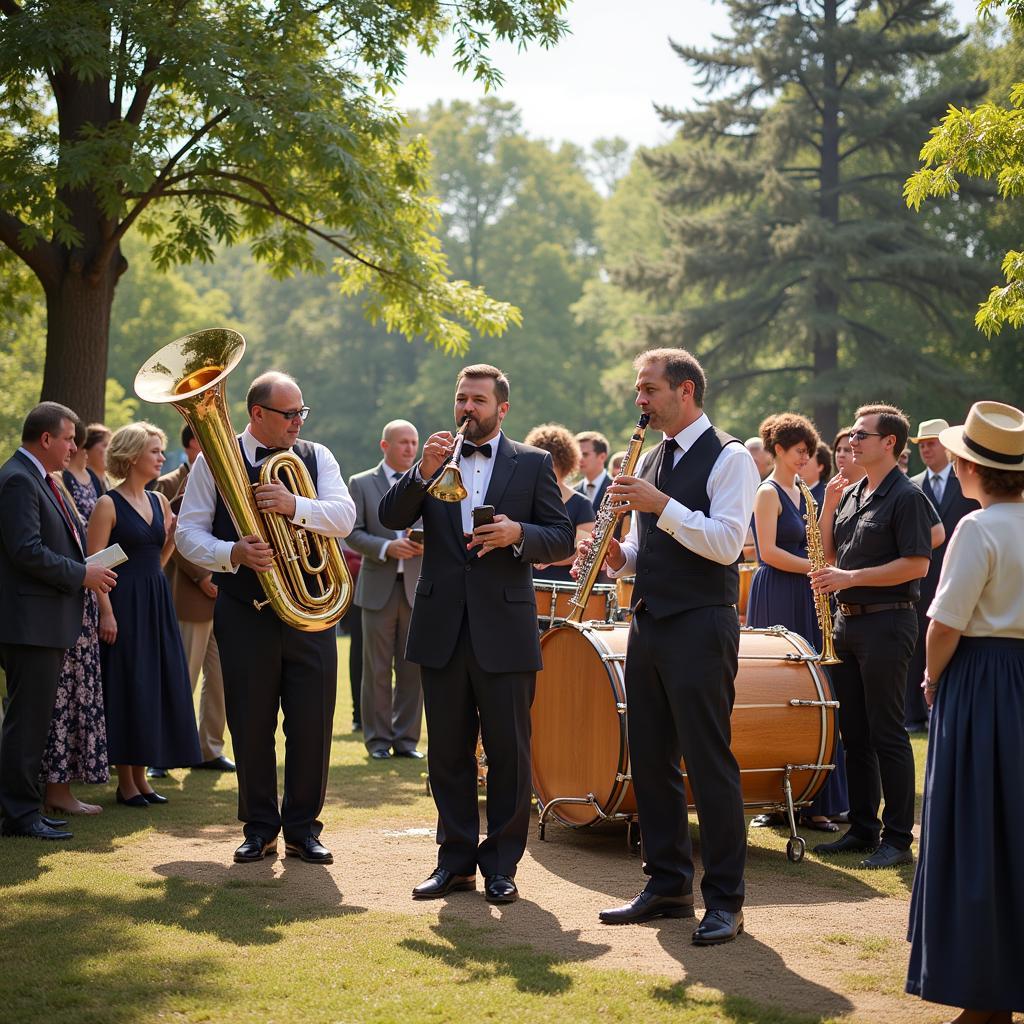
x=579, y=718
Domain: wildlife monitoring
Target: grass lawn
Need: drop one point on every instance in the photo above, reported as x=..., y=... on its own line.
x=130, y=923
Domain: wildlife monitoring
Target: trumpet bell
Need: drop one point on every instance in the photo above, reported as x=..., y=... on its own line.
x=448, y=486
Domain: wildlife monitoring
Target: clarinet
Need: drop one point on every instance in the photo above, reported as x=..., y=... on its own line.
x=816, y=556
x=587, y=568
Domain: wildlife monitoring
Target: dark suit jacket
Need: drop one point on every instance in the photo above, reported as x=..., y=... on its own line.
x=953, y=507
x=495, y=592
x=598, y=494
x=376, y=574
x=41, y=564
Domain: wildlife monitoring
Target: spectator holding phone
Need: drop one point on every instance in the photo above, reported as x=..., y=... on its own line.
x=391, y=714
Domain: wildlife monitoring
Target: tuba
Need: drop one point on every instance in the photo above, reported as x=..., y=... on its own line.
x=309, y=586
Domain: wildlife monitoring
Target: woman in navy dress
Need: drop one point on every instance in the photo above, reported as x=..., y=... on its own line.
x=780, y=594
x=967, y=907
x=148, y=699
x=564, y=450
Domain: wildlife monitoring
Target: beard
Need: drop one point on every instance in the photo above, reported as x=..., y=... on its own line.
x=477, y=430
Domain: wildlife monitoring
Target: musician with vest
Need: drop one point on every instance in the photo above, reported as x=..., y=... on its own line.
x=267, y=664
x=691, y=501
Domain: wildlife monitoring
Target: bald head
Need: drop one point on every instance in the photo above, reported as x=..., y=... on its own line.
x=399, y=442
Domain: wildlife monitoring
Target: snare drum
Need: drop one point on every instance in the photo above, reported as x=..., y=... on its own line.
x=624, y=595
x=554, y=597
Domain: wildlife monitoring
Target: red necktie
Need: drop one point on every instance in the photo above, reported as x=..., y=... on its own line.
x=63, y=508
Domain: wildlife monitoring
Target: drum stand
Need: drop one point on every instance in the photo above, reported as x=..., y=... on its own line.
x=632, y=825
x=796, y=845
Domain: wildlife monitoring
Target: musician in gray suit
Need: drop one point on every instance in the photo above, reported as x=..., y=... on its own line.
x=385, y=591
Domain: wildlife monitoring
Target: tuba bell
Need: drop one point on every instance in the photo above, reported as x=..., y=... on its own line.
x=309, y=586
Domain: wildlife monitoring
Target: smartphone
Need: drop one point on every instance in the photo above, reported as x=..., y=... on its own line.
x=483, y=515
x=416, y=536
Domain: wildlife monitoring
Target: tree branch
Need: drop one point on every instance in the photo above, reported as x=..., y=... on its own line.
x=144, y=89
x=41, y=258
x=724, y=382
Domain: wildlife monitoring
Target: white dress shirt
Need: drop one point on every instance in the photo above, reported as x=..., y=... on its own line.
x=333, y=513
x=591, y=487
x=943, y=475
x=718, y=536
x=393, y=476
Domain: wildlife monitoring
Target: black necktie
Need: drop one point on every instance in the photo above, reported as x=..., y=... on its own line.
x=262, y=453
x=472, y=449
x=668, y=453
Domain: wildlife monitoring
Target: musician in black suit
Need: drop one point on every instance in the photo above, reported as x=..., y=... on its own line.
x=474, y=630
x=941, y=487
x=691, y=501
x=268, y=665
x=42, y=573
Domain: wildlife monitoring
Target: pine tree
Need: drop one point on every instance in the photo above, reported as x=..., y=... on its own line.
x=791, y=245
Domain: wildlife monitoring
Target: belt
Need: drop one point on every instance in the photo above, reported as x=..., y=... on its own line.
x=867, y=609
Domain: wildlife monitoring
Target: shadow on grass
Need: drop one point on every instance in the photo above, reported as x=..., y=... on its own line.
x=100, y=970
x=752, y=977
x=601, y=862
x=392, y=783
x=470, y=941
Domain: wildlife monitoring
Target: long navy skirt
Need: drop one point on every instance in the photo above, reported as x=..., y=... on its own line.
x=967, y=908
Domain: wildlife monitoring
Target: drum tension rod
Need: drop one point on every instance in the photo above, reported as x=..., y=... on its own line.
x=795, y=702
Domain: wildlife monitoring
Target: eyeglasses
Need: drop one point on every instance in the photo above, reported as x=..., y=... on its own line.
x=860, y=435
x=288, y=414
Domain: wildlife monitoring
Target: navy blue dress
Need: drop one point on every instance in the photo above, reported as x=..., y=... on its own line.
x=967, y=907
x=147, y=695
x=780, y=598
x=579, y=510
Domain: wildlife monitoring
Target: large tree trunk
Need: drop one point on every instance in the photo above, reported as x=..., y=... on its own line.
x=826, y=300
x=77, y=335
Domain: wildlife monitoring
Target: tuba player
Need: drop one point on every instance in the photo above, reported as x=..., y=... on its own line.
x=267, y=664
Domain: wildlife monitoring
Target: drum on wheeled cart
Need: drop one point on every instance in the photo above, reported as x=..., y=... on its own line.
x=784, y=726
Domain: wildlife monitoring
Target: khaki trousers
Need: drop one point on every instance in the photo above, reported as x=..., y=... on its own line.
x=202, y=654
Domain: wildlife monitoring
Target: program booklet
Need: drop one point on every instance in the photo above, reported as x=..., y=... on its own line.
x=108, y=557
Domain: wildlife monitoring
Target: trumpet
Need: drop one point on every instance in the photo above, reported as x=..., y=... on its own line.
x=309, y=587
x=446, y=484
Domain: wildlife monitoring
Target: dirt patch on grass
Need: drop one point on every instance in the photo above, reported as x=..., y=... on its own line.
x=818, y=942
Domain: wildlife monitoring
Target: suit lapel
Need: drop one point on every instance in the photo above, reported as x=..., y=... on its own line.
x=51, y=497
x=505, y=462
x=948, y=493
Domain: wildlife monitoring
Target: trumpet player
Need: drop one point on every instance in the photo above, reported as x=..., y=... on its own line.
x=473, y=630
x=268, y=665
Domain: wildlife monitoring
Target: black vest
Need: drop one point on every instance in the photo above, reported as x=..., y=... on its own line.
x=244, y=584
x=670, y=578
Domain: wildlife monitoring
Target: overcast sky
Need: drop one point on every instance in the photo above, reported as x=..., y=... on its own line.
x=602, y=79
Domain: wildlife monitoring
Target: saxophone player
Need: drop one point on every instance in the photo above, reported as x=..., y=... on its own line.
x=267, y=664
x=691, y=501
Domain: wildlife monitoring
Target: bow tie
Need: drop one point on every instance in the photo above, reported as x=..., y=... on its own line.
x=473, y=449
x=262, y=453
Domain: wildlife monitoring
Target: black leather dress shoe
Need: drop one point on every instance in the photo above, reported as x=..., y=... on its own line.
x=157, y=773
x=52, y=822
x=887, y=856
x=500, y=889
x=255, y=848
x=417, y=754
x=217, y=764
x=131, y=801
x=848, y=844
x=37, y=830
x=153, y=797
x=310, y=850
x=717, y=927
x=645, y=906
x=441, y=882
x=380, y=755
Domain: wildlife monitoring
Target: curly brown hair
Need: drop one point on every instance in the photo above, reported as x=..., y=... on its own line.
x=788, y=429
x=559, y=443
x=1000, y=483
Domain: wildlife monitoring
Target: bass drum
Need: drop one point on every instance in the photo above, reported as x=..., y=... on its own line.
x=784, y=718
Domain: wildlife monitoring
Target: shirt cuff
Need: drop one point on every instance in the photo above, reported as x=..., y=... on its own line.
x=303, y=511
x=222, y=553
x=383, y=553
x=671, y=518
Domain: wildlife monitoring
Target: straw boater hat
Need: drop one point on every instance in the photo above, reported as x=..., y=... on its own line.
x=929, y=429
x=993, y=436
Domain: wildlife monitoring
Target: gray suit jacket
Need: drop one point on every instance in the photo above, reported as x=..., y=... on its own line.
x=377, y=574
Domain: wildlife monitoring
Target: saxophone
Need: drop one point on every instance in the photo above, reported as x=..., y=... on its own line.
x=587, y=568
x=816, y=554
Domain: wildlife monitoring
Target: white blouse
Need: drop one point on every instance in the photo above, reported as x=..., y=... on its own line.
x=981, y=589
